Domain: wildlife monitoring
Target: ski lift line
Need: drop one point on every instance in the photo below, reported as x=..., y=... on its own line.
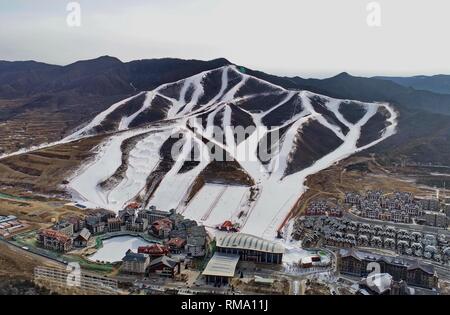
x=214, y=203
x=236, y=213
x=250, y=211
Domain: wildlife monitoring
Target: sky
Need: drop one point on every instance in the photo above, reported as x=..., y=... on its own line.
x=309, y=38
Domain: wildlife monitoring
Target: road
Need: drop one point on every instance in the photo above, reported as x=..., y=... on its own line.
x=22, y=252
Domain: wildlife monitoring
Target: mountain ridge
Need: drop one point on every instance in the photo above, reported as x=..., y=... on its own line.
x=84, y=92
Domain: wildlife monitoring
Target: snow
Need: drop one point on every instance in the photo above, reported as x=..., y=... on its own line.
x=98, y=119
x=269, y=213
x=172, y=190
x=84, y=185
x=144, y=157
x=114, y=249
x=213, y=204
x=126, y=121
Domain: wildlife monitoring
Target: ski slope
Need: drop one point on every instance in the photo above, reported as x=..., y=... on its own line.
x=197, y=107
x=216, y=203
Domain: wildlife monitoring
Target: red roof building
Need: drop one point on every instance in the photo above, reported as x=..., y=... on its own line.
x=228, y=226
x=176, y=244
x=162, y=227
x=133, y=205
x=54, y=240
x=154, y=250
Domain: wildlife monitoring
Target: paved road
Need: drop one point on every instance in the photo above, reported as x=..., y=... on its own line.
x=31, y=255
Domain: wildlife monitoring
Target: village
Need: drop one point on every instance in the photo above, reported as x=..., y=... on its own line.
x=156, y=252
x=150, y=251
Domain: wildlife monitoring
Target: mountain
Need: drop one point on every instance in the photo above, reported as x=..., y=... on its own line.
x=216, y=146
x=424, y=117
x=436, y=83
x=369, y=89
x=101, y=76
x=168, y=140
x=41, y=103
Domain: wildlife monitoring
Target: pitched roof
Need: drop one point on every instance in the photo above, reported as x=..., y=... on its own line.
x=409, y=263
x=176, y=241
x=379, y=283
x=427, y=268
x=248, y=242
x=196, y=241
x=134, y=257
x=153, y=249
x=61, y=237
x=166, y=261
x=84, y=234
x=162, y=223
x=223, y=265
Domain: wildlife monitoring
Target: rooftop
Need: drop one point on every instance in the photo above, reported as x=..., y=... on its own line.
x=223, y=265
x=55, y=234
x=84, y=234
x=134, y=257
x=7, y=218
x=379, y=283
x=408, y=263
x=249, y=242
x=166, y=261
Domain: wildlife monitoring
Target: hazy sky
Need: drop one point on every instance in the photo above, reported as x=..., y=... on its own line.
x=308, y=38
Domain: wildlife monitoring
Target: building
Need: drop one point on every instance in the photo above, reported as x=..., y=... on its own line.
x=114, y=225
x=64, y=227
x=82, y=239
x=437, y=219
x=399, y=207
x=153, y=215
x=135, y=263
x=376, y=284
x=249, y=248
x=220, y=268
x=136, y=224
x=356, y=263
x=54, y=240
x=4, y=219
x=126, y=214
x=77, y=222
x=430, y=204
x=196, y=246
x=176, y=245
x=165, y=267
x=10, y=226
x=95, y=225
x=161, y=228
x=447, y=209
x=103, y=214
x=323, y=207
x=87, y=283
x=154, y=250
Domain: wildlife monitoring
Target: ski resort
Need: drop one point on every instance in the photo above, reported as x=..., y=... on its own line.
x=128, y=166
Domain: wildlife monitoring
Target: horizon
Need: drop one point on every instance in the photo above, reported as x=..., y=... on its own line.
x=317, y=76
x=309, y=39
